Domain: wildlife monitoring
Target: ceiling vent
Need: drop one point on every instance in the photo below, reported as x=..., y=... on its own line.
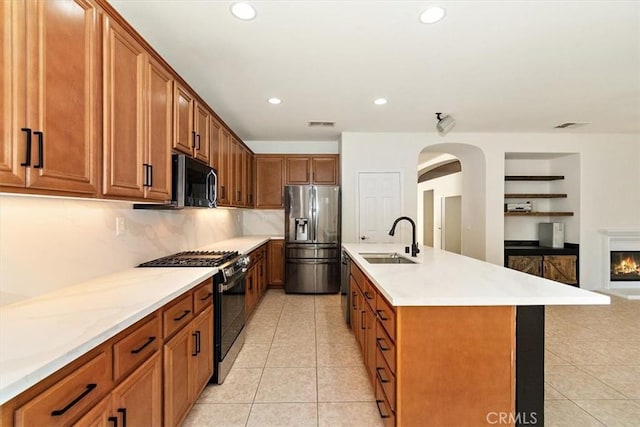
x=571, y=125
x=321, y=124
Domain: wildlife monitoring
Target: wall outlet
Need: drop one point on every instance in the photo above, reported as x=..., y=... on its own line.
x=120, y=226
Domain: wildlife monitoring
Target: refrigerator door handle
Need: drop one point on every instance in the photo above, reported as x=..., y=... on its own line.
x=312, y=261
x=315, y=213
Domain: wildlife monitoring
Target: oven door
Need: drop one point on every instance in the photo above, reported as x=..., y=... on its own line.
x=230, y=318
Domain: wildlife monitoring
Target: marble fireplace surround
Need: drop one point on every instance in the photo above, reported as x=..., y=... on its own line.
x=619, y=240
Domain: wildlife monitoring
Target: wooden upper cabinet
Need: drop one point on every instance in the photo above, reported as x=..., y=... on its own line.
x=124, y=65
x=239, y=153
x=183, y=107
x=325, y=170
x=158, y=133
x=201, y=129
x=215, y=138
x=304, y=170
x=298, y=170
x=224, y=168
x=249, y=174
x=50, y=88
x=270, y=179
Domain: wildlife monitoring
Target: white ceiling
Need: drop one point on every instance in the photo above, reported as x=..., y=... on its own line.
x=495, y=66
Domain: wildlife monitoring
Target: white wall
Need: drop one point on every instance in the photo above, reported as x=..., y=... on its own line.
x=609, y=181
x=48, y=243
x=445, y=186
x=293, y=147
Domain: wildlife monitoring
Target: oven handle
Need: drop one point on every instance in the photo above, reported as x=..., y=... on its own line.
x=231, y=283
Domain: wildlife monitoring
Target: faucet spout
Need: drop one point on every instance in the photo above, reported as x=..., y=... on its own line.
x=414, y=244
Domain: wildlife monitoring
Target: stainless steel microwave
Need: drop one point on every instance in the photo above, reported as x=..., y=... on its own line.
x=193, y=185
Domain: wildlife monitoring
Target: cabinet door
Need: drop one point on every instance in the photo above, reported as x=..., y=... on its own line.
x=137, y=401
x=224, y=169
x=159, y=121
x=202, y=142
x=12, y=94
x=370, y=341
x=275, y=257
x=183, y=103
x=98, y=416
x=269, y=182
x=298, y=170
x=561, y=268
x=250, y=297
x=63, y=94
x=238, y=168
x=177, y=384
x=531, y=264
x=215, y=138
x=203, y=361
x=124, y=71
x=249, y=179
x=324, y=170
x=354, y=315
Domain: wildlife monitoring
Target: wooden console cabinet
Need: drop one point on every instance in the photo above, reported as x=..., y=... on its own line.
x=559, y=264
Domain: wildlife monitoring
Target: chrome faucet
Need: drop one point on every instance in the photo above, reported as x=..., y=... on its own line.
x=414, y=245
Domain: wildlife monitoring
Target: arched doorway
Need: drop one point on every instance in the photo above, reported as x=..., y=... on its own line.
x=461, y=172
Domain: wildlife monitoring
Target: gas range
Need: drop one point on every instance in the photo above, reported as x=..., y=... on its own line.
x=194, y=259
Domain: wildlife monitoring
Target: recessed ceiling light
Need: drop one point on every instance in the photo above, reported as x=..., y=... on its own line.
x=243, y=11
x=380, y=101
x=274, y=101
x=432, y=15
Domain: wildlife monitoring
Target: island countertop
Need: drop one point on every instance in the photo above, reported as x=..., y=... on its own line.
x=441, y=278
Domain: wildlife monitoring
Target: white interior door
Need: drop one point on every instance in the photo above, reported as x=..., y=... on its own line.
x=452, y=224
x=427, y=218
x=378, y=205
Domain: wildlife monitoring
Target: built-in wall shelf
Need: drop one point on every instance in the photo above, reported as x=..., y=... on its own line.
x=529, y=213
x=533, y=177
x=534, y=196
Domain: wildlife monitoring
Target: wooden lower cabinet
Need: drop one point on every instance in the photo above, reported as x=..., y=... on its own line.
x=137, y=401
x=275, y=255
x=561, y=268
x=188, y=366
x=256, y=278
x=435, y=365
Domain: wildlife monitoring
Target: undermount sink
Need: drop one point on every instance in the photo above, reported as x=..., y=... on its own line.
x=385, y=258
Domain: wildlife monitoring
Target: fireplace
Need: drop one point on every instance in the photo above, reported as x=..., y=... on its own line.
x=625, y=266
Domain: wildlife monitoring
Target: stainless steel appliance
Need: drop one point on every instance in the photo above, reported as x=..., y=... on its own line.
x=312, y=239
x=228, y=301
x=345, y=294
x=194, y=184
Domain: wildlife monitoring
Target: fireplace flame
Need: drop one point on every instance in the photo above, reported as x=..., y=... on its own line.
x=627, y=266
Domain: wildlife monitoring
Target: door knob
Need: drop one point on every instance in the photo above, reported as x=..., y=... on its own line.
x=363, y=237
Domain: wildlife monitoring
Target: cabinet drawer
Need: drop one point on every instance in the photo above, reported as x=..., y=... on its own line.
x=63, y=402
x=357, y=275
x=385, y=346
x=203, y=296
x=386, y=378
x=177, y=315
x=386, y=316
x=387, y=415
x=136, y=347
x=369, y=293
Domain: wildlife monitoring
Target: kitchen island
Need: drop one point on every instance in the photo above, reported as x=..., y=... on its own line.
x=450, y=340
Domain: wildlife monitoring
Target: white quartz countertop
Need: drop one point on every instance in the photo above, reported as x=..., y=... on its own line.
x=40, y=335
x=441, y=278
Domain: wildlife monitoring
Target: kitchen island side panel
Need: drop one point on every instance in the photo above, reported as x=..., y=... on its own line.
x=455, y=365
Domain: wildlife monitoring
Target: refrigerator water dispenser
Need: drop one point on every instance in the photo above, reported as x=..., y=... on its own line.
x=302, y=229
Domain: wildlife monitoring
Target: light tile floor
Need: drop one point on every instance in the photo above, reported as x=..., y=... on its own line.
x=301, y=366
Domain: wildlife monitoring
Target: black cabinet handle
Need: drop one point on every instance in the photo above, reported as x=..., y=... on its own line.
x=195, y=344
x=198, y=342
x=366, y=294
x=353, y=298
x=206, y=297
x=194, y=138
x=150, y=175
x=362, y=325
x=223, y=191
x=123, y=411
x=145, y=168
x=378, y=343
x=182, y=316
x=380, y=315
x=379, y=375
x=40, y=149
x=27, y=160
x=113, y=420
x=89, y=389
x=198, y=146
x=378, y=402
x=139, y=349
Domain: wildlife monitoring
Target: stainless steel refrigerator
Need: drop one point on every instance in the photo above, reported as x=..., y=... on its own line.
x=312, y=239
